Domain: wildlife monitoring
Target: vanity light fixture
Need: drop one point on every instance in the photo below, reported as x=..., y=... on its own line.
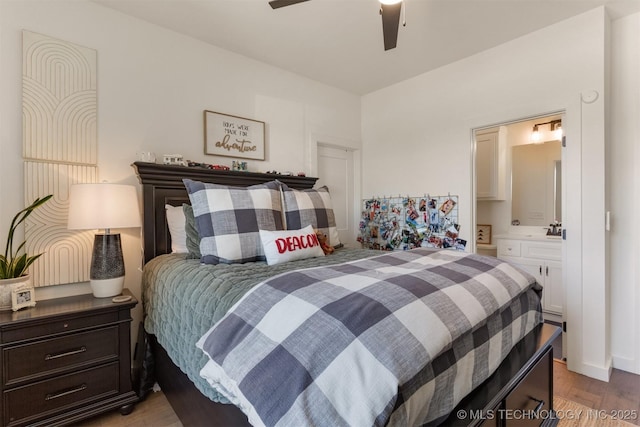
x=554, y=125
x=535, y=135
x=556, y=128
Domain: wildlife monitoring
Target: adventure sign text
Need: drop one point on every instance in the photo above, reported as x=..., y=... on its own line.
x=233, y=136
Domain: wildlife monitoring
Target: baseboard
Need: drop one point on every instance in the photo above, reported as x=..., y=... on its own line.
x=602, y=373
x=626, y=364
x=552, y=318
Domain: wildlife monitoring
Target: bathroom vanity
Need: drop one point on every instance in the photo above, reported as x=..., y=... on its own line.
x=541, y=256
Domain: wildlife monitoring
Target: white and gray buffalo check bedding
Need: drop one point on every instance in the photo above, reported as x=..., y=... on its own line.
x=397, y=339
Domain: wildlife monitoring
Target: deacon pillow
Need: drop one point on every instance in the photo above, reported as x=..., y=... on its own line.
x=290, y=245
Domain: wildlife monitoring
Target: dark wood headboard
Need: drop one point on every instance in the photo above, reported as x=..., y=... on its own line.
x=162, y=185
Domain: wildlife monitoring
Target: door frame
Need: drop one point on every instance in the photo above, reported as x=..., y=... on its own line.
x=474, y=196
x=330, y=141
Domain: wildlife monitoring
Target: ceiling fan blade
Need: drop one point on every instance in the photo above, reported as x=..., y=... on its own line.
x=275, y=4
x=390, y=23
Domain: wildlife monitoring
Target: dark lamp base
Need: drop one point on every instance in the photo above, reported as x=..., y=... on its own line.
x=107, y=266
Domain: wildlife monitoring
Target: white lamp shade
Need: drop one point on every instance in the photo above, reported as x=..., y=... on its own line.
x=103, y=206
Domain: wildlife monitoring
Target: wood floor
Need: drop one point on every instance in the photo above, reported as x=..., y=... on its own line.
x=621, y=393
x=155, y=411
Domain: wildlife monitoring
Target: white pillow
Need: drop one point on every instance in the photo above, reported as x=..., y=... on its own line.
x=290, y=245
x=176, y=221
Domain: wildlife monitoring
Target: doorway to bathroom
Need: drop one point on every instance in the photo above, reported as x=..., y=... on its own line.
x=518, y=187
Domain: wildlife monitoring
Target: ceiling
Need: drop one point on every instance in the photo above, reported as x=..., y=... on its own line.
x=339, y=42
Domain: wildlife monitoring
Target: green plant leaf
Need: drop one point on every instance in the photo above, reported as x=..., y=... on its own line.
x=29, y=261
x=11, y=264
x=4, y=267
x=19, y=218
x=18, y=265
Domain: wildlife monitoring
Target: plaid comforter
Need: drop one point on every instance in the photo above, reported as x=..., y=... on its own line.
x=396, y=339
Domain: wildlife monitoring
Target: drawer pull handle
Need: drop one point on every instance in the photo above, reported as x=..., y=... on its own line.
x=66, y=353
x=538, y=407
x=52, y=396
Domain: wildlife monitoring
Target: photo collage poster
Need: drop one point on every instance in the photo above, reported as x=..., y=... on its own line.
x=403, y=223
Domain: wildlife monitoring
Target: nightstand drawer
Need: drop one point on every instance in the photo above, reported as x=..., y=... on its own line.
x=25, y=332
x=59, y=354
x=27, y=404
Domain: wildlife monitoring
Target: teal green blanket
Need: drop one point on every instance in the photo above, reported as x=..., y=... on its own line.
x=183, y=299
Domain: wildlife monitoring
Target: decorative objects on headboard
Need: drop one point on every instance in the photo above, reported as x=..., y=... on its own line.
x=162, y=185
x=59, y=109
x=401, y=223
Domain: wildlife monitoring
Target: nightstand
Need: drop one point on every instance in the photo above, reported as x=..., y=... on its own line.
x=66, y=359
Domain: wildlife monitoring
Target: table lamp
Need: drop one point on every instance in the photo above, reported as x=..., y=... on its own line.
x=104, y=206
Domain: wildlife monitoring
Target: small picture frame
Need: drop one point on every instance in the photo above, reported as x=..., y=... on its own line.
x=483, y=234
x=22, y=297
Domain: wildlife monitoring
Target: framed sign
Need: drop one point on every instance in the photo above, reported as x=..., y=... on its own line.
x=483, y=234
x=233, y=136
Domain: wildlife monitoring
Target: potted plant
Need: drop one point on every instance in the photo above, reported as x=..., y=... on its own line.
x=13, y=264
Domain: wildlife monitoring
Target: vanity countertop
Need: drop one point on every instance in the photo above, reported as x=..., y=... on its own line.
x=534, y=237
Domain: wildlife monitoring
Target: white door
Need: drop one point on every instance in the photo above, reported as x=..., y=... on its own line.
x=335, y=170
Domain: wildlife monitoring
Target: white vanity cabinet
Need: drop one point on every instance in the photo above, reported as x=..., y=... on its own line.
x=542, y=258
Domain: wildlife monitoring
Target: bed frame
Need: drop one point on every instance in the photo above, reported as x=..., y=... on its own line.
x=522, y=385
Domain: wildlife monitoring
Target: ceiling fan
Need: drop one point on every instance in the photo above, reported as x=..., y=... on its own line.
x=389, y=10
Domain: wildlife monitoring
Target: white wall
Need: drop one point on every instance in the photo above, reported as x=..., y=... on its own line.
x=428, y=121
x=153, y=85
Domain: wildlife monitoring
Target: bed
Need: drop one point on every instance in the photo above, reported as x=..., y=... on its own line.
x=522, y=381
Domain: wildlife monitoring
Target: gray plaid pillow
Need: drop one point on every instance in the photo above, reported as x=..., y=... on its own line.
x=310, y=207
x=229, y=219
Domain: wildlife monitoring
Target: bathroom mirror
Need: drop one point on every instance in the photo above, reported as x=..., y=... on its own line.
x=536, y=198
